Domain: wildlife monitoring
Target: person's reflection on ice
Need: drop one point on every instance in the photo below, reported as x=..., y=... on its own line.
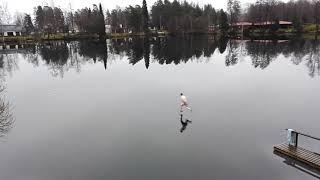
x=184, y=123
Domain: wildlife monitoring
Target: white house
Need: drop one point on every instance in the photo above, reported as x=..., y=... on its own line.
x=108, y=29
x=11, y=30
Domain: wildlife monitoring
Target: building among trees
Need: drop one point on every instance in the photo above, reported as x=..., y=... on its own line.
x=262, y=25
x=11, y=30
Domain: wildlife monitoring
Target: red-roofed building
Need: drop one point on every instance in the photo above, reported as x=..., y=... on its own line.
x=266, y=24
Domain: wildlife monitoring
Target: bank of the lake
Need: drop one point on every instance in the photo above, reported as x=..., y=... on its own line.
x=309, y=31
x=86, y=36
x=73, y=36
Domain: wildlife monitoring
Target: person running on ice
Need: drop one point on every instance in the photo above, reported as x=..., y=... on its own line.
x=184, y=102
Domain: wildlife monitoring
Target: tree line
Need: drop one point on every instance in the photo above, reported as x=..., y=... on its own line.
x=131, y=19
x=53, y=20
x=182, y=16
x=172, y=16
x=90, y=20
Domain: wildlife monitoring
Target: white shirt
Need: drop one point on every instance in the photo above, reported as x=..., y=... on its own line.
x=183, y=99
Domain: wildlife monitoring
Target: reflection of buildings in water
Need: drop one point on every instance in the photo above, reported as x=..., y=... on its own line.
x=9, y=56
x=299, y=166
x=11, y=48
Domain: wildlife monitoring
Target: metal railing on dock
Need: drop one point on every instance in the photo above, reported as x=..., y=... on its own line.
x=295, y=135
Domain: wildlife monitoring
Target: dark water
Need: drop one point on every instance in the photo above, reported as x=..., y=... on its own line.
x=89, y=110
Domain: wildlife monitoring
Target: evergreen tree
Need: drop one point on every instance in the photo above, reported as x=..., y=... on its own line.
x=102, y=27
x=27, y=24
x=223, y=22
x=91, y=20
x=145, y=16
x=210, y=13
x=297, y=25
x=156, y=15
x=48, y=20
x=39, y=19
x=59, y=23
x=182, y=17
x=134, y=18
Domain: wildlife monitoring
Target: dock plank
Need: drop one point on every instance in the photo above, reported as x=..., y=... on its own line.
x=310, y=158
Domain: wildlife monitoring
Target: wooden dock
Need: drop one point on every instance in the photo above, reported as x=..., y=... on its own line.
x=298, y=165
x=310, y=158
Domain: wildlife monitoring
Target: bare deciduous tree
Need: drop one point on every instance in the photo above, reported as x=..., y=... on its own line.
x=4, y=13
x=18, y=18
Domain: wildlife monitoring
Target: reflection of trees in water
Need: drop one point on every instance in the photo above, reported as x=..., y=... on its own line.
x=8, y=64
x=56, y=55
x=74, y=56
x=30, y=54
x=313, y=59
x=146, y=52
x=135, y=52
x=210, y=47
x=262, y=52
x=223, y=42
x=95, y=50
x=55, y=52
x=134, y=48
x=182, y=49
x=309, y=51
x=119, y=46
x=232, y=56
x=62, y=56
x=179, y=49
x=165, y=50
x=298, y=50
x=6, y=118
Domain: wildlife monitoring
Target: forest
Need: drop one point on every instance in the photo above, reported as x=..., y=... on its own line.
x=165, y=16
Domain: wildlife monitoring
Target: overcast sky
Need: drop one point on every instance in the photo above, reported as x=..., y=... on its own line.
x=28, y=5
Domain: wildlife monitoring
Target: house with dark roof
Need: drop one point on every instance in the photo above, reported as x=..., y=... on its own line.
x=11, y=30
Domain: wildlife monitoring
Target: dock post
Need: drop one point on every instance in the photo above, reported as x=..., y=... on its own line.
x=292, y=137
x=296, y=138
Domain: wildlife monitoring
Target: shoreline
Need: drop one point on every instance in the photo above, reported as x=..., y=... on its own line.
x=69, y=37
x=82, y=36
